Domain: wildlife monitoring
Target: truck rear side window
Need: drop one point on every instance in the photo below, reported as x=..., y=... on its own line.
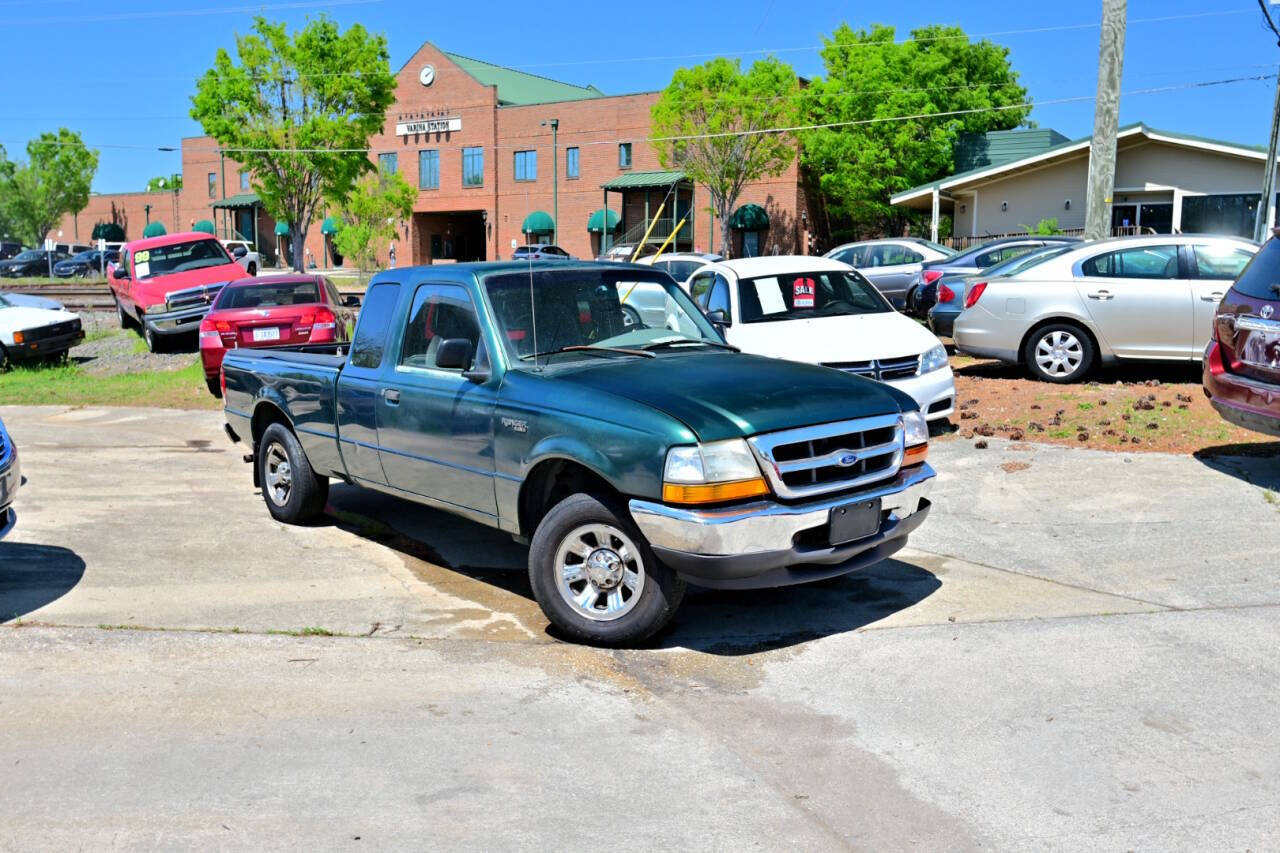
x=375, y=320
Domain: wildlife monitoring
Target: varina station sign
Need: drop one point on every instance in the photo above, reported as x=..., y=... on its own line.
x=430, y=125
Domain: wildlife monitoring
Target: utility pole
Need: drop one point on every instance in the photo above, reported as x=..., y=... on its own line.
x=1106, y=122
x=1267, y=201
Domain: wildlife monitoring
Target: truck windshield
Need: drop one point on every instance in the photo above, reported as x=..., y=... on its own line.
x=803, y=295
x=605, y=310
x=179, y=257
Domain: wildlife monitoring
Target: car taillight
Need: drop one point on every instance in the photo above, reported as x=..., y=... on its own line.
x=208, y=331
x=974, y=294
x=930, y=276
x=322, y=322
x=945, y=294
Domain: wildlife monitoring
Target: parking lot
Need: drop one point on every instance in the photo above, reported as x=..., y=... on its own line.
x=1046, y=665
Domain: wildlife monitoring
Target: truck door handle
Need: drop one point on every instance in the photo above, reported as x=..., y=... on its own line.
x=392, y=396
x=1216, y=296
x=1104, y=295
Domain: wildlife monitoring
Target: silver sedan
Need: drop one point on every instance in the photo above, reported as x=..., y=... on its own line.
x=1129, y=298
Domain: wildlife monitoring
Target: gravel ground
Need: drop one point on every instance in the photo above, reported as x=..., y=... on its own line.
x=109, y=350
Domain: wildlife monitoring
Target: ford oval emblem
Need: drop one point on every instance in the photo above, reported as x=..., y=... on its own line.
x=848, y=459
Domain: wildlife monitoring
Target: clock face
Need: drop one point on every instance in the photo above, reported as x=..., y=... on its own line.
x=427, y=75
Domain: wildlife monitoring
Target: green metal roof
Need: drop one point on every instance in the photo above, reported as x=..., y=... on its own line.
x=330, y=225
x=641, y=180
x=518, y=87
x=600, y=218
x=240, y=200
x=975, y=150
x=282, y=229
x=749, y=217
x=154, y=229
x=538, y=222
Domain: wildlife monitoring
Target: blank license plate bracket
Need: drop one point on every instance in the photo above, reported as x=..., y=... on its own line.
x=855, y=521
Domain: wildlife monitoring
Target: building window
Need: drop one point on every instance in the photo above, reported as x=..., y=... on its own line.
x=571, y=163
x=526, y=165
x=1231, y=214
x=624, y=155
x=387, y=163
x=429, y=170
x=473, y=167
x=244, y=181
x=213, y=185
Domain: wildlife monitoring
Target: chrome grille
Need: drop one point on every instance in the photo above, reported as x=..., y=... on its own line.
x=817, y=460
x=880, y=369
x=192, y=297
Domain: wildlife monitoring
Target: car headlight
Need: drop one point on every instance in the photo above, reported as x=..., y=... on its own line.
x=915, y=438
x=711, y=473
x=933, y=359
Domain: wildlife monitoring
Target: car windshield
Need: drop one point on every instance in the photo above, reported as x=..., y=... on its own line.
x=30, y=255
x=802, y=295
x=546, y=311
x=1022, y=263
x=267, y=295
x=938, y=247
x=85, y=256
x=179, y=257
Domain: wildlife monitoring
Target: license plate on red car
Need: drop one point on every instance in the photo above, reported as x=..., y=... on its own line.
x=855, y=521
x=270, y=333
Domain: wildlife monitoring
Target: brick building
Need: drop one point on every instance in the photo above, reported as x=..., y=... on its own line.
x=476, y=139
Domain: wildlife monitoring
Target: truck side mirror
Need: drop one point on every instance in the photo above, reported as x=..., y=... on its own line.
x=720, y=318
x=239, y=252
x=454, y=354
x=121, y=272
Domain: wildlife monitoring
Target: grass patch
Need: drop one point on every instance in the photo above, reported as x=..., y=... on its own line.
x=69, y=385
x=307, y=632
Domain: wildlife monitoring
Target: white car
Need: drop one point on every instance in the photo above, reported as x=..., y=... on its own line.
x=244, y=254
x=822, y=311
x=28, y=333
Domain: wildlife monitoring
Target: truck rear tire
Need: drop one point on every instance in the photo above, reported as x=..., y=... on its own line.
x=294, y=493
x=595, y=577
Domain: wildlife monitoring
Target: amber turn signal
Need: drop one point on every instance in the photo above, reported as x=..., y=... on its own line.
x=915, y=455
x=710, y=493
x=18, y=337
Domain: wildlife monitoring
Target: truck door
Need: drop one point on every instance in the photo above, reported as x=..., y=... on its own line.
x=360, y=386
x=436, y=426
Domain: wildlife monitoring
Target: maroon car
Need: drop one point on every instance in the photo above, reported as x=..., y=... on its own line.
x=1242, y=361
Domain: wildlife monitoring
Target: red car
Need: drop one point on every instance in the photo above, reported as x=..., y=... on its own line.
x=1242, y=361
x=275, y=311
x=165, y=284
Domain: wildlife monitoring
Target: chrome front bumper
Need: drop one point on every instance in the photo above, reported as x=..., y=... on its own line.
x=176, y=322
x=764, y=527
x=8, y=520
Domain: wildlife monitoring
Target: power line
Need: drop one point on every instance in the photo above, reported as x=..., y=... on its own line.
x=185, y=13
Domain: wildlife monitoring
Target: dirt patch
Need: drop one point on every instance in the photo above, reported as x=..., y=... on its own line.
x=1143, y=408
x=109, y=350
x=1014, y=467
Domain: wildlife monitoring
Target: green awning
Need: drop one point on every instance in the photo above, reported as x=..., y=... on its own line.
x=109, y=231
x=330, y=225
x=240, y=200
x=642, y=180
x=282, y=229
x=154, y=229
x=603, y=217
x=538, y=222
x=204, y=225
x=749, y=217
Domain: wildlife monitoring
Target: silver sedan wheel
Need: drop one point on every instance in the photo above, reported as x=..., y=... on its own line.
x=1059, y=353
x=599, y=572
x=279, y=475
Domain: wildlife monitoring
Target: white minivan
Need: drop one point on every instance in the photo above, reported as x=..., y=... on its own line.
x=822, y=311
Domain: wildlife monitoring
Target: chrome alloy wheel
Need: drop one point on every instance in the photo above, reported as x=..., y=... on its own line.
x=600, y=574
x=1059, y=353
x=278, y=475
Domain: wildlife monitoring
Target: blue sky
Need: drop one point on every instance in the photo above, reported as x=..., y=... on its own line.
x=122, y=74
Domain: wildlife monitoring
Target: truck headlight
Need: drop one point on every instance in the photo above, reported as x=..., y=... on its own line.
x=933, y=359
x=711, y=473
x=915, y=438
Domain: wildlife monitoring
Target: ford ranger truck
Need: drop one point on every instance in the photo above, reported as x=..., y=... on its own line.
x=166, y=284
x=633, y=459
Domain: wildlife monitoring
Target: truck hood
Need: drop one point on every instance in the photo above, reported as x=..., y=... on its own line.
x=151, y=291
x=824, y=340
x=734, y=395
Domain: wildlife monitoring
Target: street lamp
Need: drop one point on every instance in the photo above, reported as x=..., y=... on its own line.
x=555, y=181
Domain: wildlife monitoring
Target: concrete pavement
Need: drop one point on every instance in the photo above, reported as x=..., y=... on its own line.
x=1078, y=651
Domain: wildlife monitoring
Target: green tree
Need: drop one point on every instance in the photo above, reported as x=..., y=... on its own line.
x=708, y=124
x=6, y=173
x=369, y=215
x=297, y=110
x=165, y=182
x=871, y=83
x=54, y=181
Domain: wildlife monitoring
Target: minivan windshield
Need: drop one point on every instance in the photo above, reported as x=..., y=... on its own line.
x=179, y=257
x=803, y=295
x=568, y=315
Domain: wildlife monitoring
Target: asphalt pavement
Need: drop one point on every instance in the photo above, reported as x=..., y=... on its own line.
x=1078, y=650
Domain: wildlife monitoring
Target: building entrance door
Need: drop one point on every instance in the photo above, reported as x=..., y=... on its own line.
x=458, y=236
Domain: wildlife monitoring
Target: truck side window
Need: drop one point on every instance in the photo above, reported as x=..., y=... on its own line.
x=719, y=299
x=375, y=320
x=700, y=288
x=439, y=312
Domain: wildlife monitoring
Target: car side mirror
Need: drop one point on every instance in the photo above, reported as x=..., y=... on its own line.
x=121, y=272
x=454, y=354
x=719, y=317
x=351, y=301
x=239, y=252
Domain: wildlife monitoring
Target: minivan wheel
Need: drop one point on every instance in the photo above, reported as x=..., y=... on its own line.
x=294, y=493
x=1060, y=353
x=595, y=577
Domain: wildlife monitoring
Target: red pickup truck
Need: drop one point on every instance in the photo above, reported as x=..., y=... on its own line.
x=166, y=284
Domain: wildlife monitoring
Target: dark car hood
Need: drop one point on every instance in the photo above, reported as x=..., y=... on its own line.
x=734, y=395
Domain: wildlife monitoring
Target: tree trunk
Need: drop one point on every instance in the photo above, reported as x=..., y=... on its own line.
x=298, y=237
x=725, y=236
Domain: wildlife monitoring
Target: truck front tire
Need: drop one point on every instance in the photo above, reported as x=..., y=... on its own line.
x=294, y=493
x=595, y=577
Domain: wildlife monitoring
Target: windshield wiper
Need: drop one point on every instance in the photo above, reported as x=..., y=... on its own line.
x=683, y=341
x=590, y=349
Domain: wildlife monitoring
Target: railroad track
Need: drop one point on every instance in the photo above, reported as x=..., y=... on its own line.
x=87, y=297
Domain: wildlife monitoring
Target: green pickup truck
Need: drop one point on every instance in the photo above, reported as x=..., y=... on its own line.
x=632, y=457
